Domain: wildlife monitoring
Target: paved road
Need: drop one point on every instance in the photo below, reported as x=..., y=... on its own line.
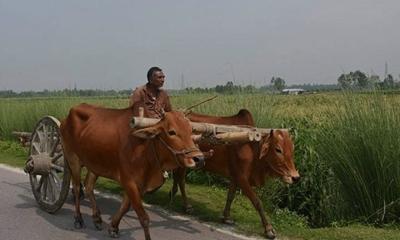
x=20, y=218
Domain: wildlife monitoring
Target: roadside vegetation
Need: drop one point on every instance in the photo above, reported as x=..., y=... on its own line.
x=346, y=149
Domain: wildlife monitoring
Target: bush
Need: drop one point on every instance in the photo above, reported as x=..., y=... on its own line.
x=361, y=145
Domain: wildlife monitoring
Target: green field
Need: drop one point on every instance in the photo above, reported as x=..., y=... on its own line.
x=346, y=149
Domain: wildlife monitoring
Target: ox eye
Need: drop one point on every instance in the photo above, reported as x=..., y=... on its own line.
x=278, y=150
x=172, y=132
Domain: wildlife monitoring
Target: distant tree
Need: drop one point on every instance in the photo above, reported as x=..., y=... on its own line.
x=345, y=81
x=229, y=87
x=249, y=89
x=7, y=93
x=361, y=79
x=355, y=79
x=219, y=89
x=278, y=83
x=388, y=82
x=374, y=79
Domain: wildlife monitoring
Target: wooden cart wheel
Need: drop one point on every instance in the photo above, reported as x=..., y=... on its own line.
x=49, y=173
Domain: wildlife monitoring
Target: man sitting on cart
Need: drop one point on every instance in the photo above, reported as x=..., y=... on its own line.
x=151, y=97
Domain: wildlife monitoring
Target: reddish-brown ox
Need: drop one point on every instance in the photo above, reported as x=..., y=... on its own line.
x=246, y=165
x=101, y=140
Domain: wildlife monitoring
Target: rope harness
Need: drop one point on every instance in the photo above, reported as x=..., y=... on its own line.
x=173, y=151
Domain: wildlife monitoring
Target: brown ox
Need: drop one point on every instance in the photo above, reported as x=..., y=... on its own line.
x=101, y=140
x=246, y=165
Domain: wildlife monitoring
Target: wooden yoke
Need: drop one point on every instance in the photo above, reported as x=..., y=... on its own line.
x=211, y=133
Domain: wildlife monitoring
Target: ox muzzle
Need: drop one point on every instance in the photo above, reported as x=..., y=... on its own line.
x=200, y=160
x=291, y=178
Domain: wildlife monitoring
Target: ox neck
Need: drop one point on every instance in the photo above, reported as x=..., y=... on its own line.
x=261, y=166
x=159, y=161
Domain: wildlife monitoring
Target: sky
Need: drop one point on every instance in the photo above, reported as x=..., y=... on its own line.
x=110, y=44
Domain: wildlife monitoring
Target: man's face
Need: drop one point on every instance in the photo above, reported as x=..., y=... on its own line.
x=158, y=79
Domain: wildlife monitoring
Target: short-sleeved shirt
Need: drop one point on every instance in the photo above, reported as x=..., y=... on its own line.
x=154, y=106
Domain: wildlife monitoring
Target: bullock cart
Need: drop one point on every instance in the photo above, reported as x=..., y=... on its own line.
x=49, y=173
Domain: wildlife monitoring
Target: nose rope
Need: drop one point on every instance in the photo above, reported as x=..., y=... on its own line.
x=181, y=152
x=176, y=152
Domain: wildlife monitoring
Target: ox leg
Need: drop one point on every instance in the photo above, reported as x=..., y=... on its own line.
x=90, y=181
x=134, y=194
x=176, y=179
x=188, y=208
x=75, y=167
x=179, y=179
x=226, y=217
x=269, y=231
x=116, y=219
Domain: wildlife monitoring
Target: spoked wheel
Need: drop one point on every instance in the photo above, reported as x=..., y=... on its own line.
x=48, y=170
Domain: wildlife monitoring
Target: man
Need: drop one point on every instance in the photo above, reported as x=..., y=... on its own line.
x=150, y=96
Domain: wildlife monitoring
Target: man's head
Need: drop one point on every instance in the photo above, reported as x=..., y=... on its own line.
x=156, y=77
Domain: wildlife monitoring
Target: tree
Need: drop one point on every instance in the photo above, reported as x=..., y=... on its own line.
x=355, y=79
x=361, y=79
x=278, y=83
x=374, y=79
x=249, y=89
x=388, y=82
x=345, y=81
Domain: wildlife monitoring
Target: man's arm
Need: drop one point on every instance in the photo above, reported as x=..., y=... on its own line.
x=136, y=101
x=168, y=106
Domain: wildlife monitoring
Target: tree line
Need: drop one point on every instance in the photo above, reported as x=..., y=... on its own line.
x=360, y=80
x=356, y=80
x=228, y=88
x=66, y=93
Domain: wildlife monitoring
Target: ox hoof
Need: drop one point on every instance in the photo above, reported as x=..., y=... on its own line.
x=171, y=195
x=78, y=223
x=113, y=232
x=98, y=222
x=98, y=225
x=188, y=209
x=227, y=221
x=270, y=234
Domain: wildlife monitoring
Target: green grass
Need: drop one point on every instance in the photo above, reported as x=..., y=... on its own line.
x=361, y=145
x=12, y=154
x=346, y=149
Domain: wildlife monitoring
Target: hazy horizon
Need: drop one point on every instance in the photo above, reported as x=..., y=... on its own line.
x=104, y=44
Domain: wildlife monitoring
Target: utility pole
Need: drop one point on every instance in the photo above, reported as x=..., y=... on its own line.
x=182, y=81
x=233, y=74
x=386, y=70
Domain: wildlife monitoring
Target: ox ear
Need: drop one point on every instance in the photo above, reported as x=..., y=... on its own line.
x=147, y=133
x=265, y=144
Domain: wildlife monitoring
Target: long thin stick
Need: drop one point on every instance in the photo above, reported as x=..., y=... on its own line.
x=197, y=104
